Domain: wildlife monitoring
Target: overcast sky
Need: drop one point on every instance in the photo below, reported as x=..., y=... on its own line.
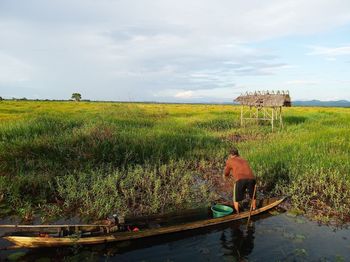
x=183, y=51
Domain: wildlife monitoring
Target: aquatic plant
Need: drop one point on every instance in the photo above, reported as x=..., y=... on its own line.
x=137, y=191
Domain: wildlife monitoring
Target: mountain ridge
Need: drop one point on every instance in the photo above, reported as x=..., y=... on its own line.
x=314, y=102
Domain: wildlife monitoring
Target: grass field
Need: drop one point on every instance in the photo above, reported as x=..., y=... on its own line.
x=92, y=159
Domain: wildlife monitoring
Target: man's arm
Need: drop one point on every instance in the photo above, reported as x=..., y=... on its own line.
x=227, y=171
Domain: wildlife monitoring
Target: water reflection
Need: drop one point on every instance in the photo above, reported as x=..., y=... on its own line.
x=237, y=243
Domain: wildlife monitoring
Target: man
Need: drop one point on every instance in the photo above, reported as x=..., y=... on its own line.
x=243, y=178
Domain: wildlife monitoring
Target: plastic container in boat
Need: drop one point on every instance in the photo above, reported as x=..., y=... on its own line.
x=221, y=210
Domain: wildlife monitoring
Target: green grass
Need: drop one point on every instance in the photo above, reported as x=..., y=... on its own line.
x=93, y=159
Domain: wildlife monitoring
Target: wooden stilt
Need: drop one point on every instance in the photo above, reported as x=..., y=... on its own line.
x=241, y=116
x=272, y=118
x=281, y=119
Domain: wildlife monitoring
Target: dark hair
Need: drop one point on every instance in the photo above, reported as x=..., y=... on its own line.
x=234, y=151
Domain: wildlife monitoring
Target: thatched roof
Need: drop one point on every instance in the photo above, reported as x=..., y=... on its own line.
x=265, y=98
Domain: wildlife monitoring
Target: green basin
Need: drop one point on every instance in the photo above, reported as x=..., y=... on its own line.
x=221, y=210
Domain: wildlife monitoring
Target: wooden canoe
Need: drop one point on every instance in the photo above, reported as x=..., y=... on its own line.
x=35, y=241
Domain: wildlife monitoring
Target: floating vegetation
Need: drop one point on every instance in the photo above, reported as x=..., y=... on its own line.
x=300, y=252
x=339, y=258
x=300, y=221
x=16, y=256
x=274, y=212
x=297, y=238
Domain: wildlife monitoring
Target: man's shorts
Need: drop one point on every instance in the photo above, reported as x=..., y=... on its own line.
x=240, y=187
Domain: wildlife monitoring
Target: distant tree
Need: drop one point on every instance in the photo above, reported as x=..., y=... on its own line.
x=76, y=97
x=1, y=98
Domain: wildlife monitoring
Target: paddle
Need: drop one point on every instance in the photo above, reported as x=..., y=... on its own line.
x=251, y=205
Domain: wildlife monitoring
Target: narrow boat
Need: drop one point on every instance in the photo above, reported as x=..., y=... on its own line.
x=144, y=228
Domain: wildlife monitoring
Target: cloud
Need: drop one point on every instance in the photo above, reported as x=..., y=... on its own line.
x=330, y=52
x=13, y=70
x=302, y=82
x=132, y=50
x=343, y=81
x=184, y=94
x=221, y=94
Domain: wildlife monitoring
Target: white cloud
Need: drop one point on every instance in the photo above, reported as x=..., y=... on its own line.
x=330, y=52
x=302, y=82
x=184, y=94
x=222, y=94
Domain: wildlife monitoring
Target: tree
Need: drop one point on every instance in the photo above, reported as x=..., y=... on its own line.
x=1, y=98
x=76, y=97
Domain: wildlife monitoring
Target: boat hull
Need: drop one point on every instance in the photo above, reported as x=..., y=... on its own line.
x=35, y=242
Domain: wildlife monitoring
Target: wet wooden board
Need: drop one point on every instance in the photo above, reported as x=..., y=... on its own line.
x=56, y=228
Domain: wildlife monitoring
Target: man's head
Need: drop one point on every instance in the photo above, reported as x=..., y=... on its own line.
x=234, y=151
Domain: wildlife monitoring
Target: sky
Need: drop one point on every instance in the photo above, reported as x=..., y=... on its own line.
x=174, y=51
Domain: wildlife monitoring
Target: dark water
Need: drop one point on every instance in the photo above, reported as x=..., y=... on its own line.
x=272, y=238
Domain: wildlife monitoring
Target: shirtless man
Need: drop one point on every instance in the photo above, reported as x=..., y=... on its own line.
x=243, y=177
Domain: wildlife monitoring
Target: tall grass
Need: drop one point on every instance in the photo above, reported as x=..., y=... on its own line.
x=94, y=158
x=140, y=190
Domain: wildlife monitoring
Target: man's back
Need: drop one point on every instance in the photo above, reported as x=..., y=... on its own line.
x=239, y=167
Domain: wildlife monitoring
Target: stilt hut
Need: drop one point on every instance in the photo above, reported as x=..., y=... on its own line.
x=263, y=105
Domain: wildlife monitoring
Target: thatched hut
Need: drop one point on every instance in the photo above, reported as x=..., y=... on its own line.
x=265, y=99
x=263, y=105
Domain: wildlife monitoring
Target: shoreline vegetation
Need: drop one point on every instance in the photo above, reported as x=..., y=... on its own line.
x=61, y=159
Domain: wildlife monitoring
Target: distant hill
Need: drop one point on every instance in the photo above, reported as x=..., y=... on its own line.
x=338, y=103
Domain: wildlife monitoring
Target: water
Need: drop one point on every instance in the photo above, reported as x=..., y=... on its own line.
x=272, y=238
